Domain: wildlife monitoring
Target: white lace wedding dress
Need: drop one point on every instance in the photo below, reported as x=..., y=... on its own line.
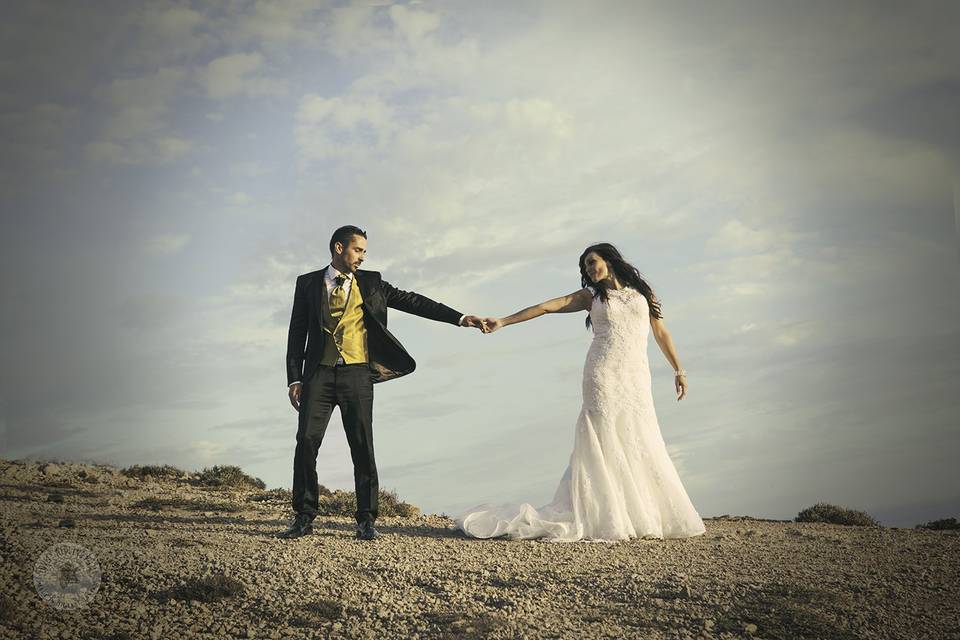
x=620, y=482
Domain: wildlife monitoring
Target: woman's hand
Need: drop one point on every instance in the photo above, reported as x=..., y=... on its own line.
x=491, y=324
x=681, y=384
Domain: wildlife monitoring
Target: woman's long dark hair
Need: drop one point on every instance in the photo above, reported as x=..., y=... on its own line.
x=625, y=272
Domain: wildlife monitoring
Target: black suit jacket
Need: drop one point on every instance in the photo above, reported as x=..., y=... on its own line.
x=388, y=358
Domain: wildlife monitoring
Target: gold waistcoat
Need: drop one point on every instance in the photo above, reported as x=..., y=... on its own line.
x=348, y=337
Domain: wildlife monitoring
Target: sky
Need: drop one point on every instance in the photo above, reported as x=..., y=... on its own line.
x=786, y=176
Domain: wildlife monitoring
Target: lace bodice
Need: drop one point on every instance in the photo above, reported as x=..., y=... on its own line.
x=616, y=363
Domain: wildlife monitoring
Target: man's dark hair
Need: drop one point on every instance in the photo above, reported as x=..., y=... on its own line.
x=344, y=235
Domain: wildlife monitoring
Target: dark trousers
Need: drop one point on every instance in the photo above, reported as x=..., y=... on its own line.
x=351, y=388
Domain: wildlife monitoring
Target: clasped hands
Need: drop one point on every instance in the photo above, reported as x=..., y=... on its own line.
x=486, y=325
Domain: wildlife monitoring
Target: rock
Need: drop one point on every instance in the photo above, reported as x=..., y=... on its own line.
x=50, y=469
x=750, y=628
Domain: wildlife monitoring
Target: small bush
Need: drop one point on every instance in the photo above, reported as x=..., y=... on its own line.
x=206, y=589
x=940, y=525
x=459, y=625
x=832, y=514
x=344, y=503
x=283, y=495
x=228, y=476
x=315, y=613
x=165, y=471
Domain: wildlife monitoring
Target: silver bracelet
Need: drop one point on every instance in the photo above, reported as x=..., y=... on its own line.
x=679, y=372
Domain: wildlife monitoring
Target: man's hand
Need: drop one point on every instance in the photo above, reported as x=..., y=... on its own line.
x=472, y=321
x=294, y=393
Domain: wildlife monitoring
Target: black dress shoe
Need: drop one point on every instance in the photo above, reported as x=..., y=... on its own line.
x=302, y=525
x=365, y=531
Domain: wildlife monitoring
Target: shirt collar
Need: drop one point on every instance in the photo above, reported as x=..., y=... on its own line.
x=332, y=273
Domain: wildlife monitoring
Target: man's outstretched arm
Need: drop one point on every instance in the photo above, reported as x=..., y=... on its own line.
x=420, y=305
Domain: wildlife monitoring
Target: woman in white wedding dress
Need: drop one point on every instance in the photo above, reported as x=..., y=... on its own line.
x=620, y=482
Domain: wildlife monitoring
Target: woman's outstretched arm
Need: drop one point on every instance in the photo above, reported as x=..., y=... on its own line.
x=579, y=300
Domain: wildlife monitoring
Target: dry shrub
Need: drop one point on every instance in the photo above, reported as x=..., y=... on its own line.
x=344, y=503
x=318, y=612
x=832, y=514
x=155, y=471
x=209, y=588
x=945, y=524
x=228, y=476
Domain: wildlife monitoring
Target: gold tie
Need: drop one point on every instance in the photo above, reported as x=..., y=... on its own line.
x=338, y=299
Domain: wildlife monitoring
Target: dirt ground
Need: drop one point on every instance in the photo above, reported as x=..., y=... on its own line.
x=162, y=559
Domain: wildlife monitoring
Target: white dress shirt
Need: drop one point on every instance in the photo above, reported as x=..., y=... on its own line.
x=330, y=278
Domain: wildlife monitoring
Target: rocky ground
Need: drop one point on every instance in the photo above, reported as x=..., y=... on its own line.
x=177, y=560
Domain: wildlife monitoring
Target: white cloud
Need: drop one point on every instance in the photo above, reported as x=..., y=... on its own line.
x=249, y=169
x=795, y=333
x=166, y=33
x=135, y=129
x=166, y=243
x=170, y=148
x=351, y=126
x=412, y=23
x=104, y=153
x=276, y=25
x=174, y=21
x=736, y=237
x=158, y=150
x=351, y=30
x=139, y=104
x=237, y=74
x=538, y=114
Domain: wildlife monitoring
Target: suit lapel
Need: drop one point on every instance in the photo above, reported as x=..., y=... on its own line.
x=320, y=290
x=364, y=284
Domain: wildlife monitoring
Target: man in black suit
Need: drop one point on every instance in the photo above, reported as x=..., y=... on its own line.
x=343, y=310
